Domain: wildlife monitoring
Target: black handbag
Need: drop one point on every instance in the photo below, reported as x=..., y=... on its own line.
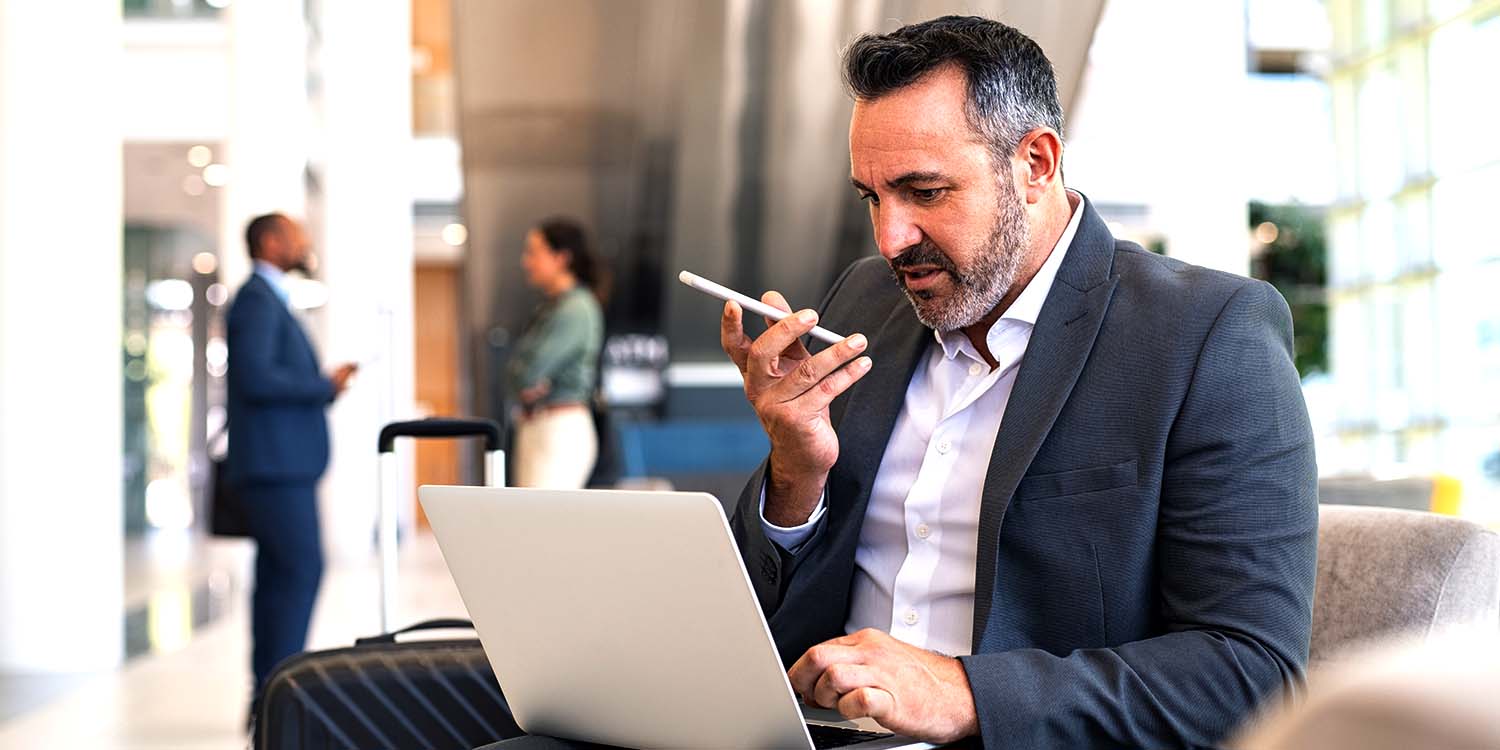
x=436, y=695
x=226, y=508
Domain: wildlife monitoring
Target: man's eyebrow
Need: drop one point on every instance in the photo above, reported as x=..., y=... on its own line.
x=902, y=181
x=910, y=177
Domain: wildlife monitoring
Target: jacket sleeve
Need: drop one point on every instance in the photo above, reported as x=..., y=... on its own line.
x=258, y=376
x=1236, y=551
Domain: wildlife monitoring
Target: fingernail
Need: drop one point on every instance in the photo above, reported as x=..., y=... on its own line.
x=865, y=363
x=808, y=317
x=857, y=341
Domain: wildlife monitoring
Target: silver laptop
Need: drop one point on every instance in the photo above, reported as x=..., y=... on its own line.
x=625, y=618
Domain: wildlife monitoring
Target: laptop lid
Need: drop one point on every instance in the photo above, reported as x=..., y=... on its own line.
x=624, y=618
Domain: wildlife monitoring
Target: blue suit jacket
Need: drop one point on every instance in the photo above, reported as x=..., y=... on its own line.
x=1148, y=524
x=278, y=433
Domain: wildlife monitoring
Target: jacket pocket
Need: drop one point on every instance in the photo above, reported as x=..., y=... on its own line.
x=1076, y=482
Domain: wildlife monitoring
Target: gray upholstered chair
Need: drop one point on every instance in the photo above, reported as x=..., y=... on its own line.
x=1385, y=572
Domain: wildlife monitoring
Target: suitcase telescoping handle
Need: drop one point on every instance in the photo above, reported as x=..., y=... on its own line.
x=494, y=476
x=439, y=624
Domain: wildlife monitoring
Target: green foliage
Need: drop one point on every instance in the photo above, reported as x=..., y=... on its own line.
x=1295, y=261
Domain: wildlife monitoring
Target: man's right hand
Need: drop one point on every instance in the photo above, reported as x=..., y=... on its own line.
x=341, y=376
x=790, y=390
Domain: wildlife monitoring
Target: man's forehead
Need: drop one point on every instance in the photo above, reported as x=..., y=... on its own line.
x=917, y=128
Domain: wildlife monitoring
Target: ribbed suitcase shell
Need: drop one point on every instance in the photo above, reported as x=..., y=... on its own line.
x=437, y=695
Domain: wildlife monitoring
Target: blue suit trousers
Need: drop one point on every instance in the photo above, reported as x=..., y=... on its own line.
x=288, y=568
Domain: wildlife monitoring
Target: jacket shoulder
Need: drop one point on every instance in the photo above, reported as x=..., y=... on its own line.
x=1176, y=287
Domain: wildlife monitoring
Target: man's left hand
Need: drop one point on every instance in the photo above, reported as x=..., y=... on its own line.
x=908, y=690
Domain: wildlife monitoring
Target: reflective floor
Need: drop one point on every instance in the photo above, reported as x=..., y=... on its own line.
x=190, y=691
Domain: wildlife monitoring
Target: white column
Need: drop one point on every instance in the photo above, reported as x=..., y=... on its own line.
x=266, y=149
x=61, y=533
x=365, y=64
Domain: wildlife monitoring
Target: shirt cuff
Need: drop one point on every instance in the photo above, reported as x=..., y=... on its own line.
x=792, y=538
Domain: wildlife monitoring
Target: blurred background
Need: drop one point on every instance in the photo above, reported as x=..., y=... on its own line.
x=1344, y=150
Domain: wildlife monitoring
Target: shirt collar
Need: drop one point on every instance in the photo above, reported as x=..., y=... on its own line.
x=1028, y=306
x=276, y=278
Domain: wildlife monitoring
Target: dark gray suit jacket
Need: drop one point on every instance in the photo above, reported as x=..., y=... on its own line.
x=1148, y=526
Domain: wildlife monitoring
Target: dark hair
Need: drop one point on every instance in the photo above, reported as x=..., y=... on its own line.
x=258, y=228
x=1011, y=86
x=566, y=235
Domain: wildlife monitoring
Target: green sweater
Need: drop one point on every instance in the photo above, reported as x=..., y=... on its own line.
x=561, y=347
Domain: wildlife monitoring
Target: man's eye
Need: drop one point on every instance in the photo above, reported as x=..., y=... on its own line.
x=869, y=198
x=926, y=195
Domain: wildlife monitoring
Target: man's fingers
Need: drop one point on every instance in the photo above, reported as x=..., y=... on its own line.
x=839, y=679
x=732, y=335
x=871, y=702
x=817, y=369
x=795, y=350
x=780, y=340
x=829, y=388
x=806, y=672
x=774, y=299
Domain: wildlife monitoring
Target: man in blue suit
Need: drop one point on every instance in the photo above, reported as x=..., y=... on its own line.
x=1064, y=495
x=278, y=440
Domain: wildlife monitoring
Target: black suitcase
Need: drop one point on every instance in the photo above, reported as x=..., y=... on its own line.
x=383, y=694
x=435, y=695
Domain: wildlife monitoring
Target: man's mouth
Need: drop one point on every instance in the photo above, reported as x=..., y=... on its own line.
x=921, y=277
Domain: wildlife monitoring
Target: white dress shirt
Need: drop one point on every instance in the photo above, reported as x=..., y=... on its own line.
x=914, y=566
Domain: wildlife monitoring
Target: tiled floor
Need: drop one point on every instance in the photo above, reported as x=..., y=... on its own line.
x=192, y=695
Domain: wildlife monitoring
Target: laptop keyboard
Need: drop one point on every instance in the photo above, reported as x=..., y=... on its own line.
x=824, y=736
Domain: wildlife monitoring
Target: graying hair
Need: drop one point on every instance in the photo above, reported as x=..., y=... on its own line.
x=1012, y=89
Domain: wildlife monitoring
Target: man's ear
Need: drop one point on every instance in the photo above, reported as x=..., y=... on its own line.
x=1040, y=155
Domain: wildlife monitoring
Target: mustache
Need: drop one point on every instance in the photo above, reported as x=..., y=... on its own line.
x=924, y=253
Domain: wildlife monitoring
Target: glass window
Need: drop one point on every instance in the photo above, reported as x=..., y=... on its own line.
x=1381, y=172
x=1411, y=71
x=1345, y=17
x=1419, y=358
x=1346, y=135
x=1377, y=247
x=1465, y=117
x=1350, y=344
x=1442, y=10
x=1468, y=332
x=1375, y=23
x=1461, y=208
x=1345, y=244
x=1413, y=228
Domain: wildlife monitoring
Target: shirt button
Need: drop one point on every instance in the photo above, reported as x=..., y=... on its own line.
x=911, y=617
x=923, y=531
x=944, y=446
x=976, y=369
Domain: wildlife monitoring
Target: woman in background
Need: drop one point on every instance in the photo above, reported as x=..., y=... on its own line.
x=552, y=368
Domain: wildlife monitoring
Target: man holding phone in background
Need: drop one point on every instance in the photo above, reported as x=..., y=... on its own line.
x=278, y=441
x=1064, y=495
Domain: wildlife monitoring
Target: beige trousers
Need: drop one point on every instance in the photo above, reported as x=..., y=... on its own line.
x=556, y=448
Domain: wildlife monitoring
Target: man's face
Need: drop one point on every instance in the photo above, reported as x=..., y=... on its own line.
x=287, y=247
x=949, y=223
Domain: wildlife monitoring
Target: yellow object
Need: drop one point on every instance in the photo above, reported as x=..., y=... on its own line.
x=1447, y=495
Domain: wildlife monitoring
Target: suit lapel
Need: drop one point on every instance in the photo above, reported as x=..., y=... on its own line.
x=290, y=319
x=1060, y=345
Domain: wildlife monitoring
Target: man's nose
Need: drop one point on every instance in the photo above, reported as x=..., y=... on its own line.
x=894, y=230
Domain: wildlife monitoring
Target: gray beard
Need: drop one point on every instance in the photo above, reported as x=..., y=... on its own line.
x=977, y=289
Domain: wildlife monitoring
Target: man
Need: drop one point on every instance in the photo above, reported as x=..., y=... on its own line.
x=1064, y=494
x=278, y=440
